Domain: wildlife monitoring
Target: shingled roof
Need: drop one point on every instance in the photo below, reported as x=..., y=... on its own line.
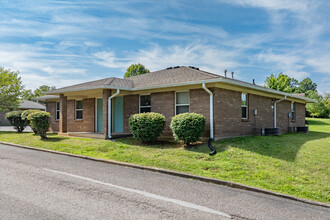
x=26, y=104
x=179, y=74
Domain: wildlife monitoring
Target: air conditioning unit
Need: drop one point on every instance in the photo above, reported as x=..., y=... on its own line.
x=270, y=131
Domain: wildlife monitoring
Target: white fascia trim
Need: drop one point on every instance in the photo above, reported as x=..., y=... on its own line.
x=223, y=80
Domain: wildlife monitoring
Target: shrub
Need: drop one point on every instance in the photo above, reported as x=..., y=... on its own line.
x=146, y=127
x=25, y=115
x=40, y=121
x=15, y=119
x=188, y=127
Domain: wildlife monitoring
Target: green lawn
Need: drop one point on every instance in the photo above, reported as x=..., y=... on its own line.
x=296, y=164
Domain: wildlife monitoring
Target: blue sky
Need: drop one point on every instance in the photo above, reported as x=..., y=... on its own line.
x=66, y=42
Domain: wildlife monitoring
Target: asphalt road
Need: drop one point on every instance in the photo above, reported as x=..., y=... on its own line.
x=40, y=185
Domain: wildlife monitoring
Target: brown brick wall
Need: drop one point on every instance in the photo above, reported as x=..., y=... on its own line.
x=200, y=103
x=54, y=124
x=87, y=124
x=282, y=116
x=163, y=103
x=227, y=114
x=131, y=106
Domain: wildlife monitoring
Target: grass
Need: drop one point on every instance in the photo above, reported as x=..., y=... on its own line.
x=296, y=164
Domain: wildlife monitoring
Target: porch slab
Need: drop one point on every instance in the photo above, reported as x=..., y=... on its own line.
x=83, y=134
x=93, y=135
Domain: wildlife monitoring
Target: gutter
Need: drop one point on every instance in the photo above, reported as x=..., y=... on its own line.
x=275, y=109
x=211, y=121
x=109, y=112
x=211, y=110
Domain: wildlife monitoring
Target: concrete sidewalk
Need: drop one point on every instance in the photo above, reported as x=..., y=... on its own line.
x=11, y=128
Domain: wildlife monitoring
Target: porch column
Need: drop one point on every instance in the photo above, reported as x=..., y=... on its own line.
x=106, y=95
x=63, y=114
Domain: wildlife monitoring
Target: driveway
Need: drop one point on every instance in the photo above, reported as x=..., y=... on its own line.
x=11, y=128
x=40, y=185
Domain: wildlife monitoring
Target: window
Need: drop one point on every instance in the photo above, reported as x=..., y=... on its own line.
x=79, y=110
x=244, y=104
x=181, y=102
x=145, y=103
x=293, y=108
x=57, y=110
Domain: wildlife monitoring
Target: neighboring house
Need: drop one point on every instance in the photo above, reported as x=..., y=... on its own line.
x=231, y=107
x=24, y=105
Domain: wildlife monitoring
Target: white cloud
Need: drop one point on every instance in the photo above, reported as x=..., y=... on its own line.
x=201, y=55
x=37, y=67
x=300, y=5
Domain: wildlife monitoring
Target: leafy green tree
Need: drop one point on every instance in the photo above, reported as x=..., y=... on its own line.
x=10, y=89
x=135, y=70
x=316, y=109
x=321, y=108
x=281, y=82
x=326, y=101
x=307, y=85
x=29, y=95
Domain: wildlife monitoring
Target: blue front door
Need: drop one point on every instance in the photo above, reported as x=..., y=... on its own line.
x=118, y=115
x=99, y=115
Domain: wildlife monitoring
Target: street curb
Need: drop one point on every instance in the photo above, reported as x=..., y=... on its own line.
x=180, y=174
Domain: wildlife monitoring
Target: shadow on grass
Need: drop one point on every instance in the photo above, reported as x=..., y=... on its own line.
x=317, y=122
x=52, y=137
x=284, y=147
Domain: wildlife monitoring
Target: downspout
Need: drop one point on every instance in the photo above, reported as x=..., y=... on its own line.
x=275, y=109
x=109, y=112
x=211, y=121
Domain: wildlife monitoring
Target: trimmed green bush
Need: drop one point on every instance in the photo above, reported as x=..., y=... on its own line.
x=15, y=119
x=40, y=122
x=146, y=127
x=25, y=115
x=188, y=127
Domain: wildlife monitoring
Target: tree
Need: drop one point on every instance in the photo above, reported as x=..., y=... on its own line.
x=319, y=109
x=10, y=89
x=135, y=70
x=316, y=109
x=29, y=95
x=306, y=85
x=281, y=82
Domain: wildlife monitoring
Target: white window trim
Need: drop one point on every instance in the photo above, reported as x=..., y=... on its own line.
x=176, y=105
x=59, y=112
x=247, y=105
x=141, y=106
x=82, y=110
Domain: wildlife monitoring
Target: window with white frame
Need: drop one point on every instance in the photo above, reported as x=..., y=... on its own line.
x=79, y=110
x=181, y=102
x=244, y=104
x=57, y=110
x=145, y=103
x=293, y=108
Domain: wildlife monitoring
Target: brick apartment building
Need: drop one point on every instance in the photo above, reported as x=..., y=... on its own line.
x=233, y=108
